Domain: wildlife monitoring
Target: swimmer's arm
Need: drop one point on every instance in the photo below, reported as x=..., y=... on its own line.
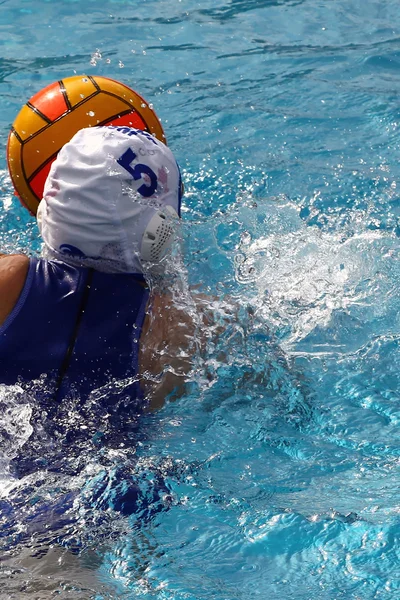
x=174, y=335
x=166, y=351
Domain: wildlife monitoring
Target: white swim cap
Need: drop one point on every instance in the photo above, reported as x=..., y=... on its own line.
x=110, y=199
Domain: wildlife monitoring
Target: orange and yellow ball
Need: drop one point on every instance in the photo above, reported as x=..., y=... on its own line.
x=53, y=116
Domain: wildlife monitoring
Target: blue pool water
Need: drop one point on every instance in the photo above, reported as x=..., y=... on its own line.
x=277, y=474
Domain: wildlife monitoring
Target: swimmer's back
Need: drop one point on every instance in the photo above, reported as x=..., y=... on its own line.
x=78, y=326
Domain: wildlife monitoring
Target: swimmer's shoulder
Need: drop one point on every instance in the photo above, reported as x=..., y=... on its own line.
x=13, y=272
x=172, y=334
x=164, y=357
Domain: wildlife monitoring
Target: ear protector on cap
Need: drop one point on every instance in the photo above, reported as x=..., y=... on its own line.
x=157, y=236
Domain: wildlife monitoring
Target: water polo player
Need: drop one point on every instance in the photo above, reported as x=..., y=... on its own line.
x=79, y=317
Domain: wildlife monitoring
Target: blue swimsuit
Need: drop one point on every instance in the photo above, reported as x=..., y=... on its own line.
x=81, y=328
x=78, y=326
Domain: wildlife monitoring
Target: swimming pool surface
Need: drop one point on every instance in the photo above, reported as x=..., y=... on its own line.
x=277, y=475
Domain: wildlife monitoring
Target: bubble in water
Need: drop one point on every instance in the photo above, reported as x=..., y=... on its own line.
x=95, y=57
x=245, y=238
x=15, y=426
